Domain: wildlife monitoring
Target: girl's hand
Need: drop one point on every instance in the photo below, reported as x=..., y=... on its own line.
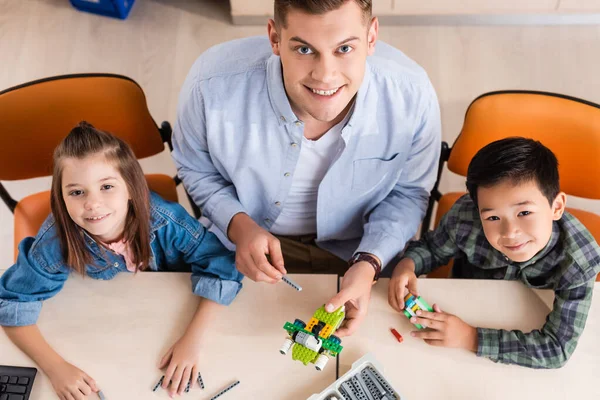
x=183, y=361
x=71, y=383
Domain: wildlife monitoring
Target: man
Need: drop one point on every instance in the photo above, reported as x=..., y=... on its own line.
x=312, y=152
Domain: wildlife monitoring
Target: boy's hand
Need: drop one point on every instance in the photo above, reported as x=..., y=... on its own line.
x=183, y=361
x=403, y=281
x=445, y=330
x=71, y=383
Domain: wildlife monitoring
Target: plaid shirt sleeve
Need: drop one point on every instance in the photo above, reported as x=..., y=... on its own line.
x=548, y=347
x=437, y=247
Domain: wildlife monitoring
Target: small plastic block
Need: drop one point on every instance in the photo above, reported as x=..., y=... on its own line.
x=326, y=331
x=160, y=381
x=291, y=283
x=101, y=395
x=333, y=318
x=303, y=354
x=332, y=346
x=313, y=321
x=397, y=335
x=412, y=305
x=228, y=388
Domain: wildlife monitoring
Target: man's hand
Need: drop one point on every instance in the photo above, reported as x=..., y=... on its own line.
x=183, y=361
x=403, y=281
x=355, y=294
x=445, y=330
x=253, y=244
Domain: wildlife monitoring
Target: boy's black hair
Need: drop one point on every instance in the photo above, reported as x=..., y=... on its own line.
x=517, y=159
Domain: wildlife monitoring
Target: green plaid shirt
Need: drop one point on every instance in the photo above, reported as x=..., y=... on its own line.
x=568, y=264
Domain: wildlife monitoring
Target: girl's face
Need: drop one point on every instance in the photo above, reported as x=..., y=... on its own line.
x=96, y=196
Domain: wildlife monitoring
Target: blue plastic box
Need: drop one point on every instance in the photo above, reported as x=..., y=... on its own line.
x=110, y=8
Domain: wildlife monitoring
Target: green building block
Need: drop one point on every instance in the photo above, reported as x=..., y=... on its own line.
x=412, y=305
x=303, y=354
x=334, y=319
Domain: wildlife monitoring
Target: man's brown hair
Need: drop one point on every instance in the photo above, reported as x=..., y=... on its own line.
x=83, y=141
x=316, y=7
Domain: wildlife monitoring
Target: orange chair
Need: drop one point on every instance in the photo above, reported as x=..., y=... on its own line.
x=570, y=127
x=36, y=116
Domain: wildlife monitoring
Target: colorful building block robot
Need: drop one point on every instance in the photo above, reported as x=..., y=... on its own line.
x=314, y=342
x=412, y=305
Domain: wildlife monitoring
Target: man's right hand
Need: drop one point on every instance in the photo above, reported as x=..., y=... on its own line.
x=403, y=281
x=253, y=245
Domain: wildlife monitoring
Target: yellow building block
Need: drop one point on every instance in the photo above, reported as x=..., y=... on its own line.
x=326, y=332
x=313, y=321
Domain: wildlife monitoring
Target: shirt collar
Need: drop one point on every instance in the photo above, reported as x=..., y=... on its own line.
x=361, y=103
x=277, y=95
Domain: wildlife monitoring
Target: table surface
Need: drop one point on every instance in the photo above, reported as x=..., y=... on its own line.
x=421, y=371
x=117, y=331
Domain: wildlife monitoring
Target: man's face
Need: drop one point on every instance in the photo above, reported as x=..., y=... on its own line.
x=517, y=219
x=323, y=58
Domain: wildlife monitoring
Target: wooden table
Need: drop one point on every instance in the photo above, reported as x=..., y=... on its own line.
x=420, y=371
x=117, y=332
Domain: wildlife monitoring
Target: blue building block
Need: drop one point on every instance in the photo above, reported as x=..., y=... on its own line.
x=110, y=8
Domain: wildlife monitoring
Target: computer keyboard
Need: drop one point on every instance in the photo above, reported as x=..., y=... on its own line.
x=16, y=382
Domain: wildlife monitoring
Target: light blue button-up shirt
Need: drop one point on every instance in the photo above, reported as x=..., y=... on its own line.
x=237, y=141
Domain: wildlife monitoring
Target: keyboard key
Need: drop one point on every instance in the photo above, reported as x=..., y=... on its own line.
x=2, y=388
x=16, y=389
x=23, y=380
x=13, y=379
x=4, y=379
x=3, y=396
x=15, y=397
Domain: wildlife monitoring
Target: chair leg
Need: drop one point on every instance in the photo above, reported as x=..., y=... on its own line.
x=9, y=201
x=165, y=133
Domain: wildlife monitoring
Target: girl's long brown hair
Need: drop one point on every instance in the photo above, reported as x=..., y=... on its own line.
x=83, y=141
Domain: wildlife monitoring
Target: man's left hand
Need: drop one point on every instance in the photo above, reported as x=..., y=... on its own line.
x=445, y=330
x=355, y=294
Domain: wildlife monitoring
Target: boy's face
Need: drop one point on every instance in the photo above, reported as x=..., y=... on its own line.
x=323, y=58
x=517, y=219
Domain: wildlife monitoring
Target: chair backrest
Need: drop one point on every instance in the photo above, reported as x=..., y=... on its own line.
x=36, y=116
x=570, y=127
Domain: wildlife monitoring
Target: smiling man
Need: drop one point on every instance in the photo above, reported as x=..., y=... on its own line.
x=309, y=150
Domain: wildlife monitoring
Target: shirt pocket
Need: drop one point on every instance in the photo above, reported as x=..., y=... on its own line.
x=369, y=173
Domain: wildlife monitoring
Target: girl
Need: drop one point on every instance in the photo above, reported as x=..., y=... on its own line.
x=104, y=221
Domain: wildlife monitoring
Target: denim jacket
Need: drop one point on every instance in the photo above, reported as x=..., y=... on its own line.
x=178, y=241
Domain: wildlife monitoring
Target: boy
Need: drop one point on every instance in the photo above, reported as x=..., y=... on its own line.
x=512, y=225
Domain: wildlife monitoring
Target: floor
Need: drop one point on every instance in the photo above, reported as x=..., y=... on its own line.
x=161, y=39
